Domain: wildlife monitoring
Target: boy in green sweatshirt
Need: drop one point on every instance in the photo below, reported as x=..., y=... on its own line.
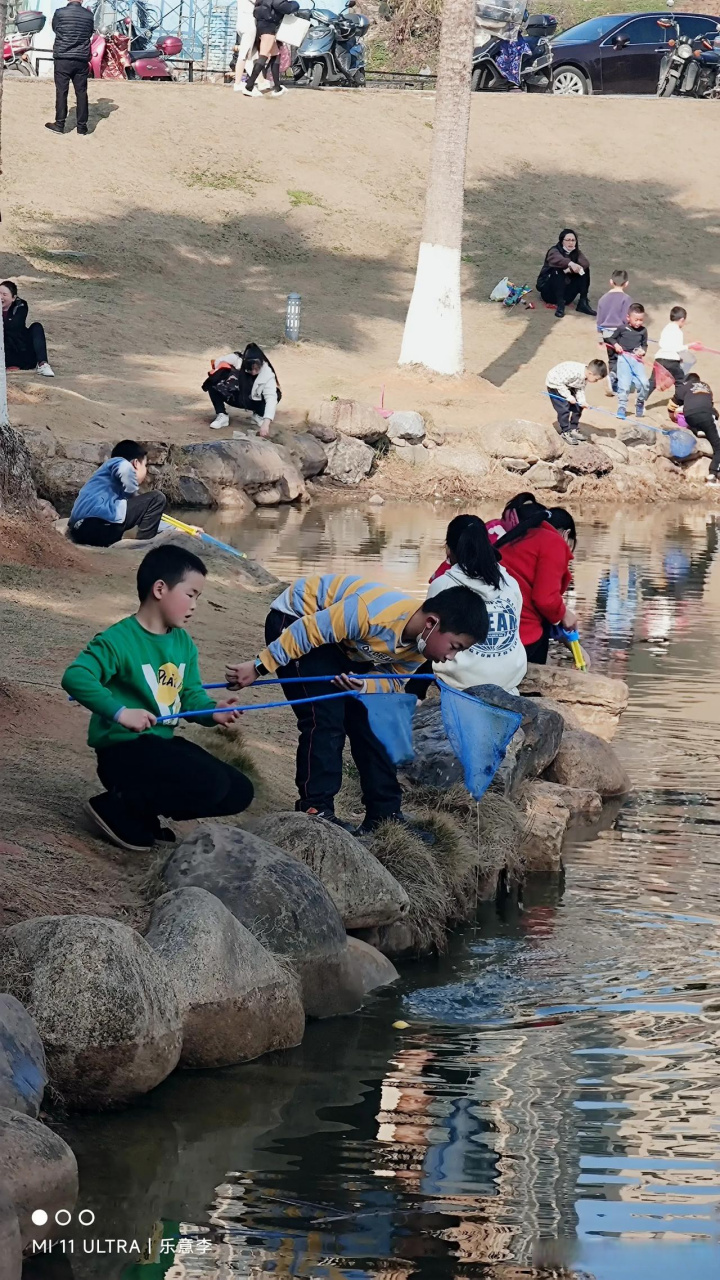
x=138, y=670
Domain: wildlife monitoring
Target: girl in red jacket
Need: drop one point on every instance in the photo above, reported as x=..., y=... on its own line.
x=537, y=552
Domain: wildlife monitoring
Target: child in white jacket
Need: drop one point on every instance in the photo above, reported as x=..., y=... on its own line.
x=473, y=563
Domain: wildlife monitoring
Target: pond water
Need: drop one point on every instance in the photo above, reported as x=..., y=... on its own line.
x=553, y=1105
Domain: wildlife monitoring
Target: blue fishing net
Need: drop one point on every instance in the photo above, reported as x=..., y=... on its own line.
x=682, y=443
x=479, y=734
x=390, y=716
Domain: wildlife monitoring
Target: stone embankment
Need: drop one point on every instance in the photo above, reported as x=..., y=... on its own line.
x=260, y=926
x=344, y=443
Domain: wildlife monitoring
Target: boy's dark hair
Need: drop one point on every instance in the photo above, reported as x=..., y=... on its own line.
x=168, y=564
x=692, y=377
x=130, y=450
x=599, y=367
x=11, y=285
x=620, y=277
x=636, y=308
x=460, y=610
x=678, y=313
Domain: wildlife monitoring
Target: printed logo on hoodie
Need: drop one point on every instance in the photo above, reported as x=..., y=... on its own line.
x=504, y=626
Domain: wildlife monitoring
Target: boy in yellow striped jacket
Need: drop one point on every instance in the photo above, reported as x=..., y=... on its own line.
x=346, y=626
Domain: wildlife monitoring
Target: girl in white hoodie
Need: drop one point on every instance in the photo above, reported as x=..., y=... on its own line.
x=473, y=563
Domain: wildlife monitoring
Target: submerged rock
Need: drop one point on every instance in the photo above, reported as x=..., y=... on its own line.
x=362, y=889
x=39, y=1171
x=103, y=1004
x=587, y=762
x=236, y=1002
x=23, y=1075
x=580, y=802
x=280, y=900
x=547, y=820
x=369, y=966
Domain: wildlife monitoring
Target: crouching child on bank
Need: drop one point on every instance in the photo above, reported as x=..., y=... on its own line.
x=140, y=669
x=346, y=627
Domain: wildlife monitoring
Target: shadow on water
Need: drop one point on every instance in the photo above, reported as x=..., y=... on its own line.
x=552, y=1107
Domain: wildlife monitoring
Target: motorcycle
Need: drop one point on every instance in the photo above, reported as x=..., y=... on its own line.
x=692, y=66
x=115, y=56
x=512, y=49
x=18, y=46
x=332, y=51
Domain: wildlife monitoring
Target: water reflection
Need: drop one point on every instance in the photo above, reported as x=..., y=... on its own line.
x=553, y=1108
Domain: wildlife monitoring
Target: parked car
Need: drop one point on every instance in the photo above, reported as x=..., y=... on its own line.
x=620, y=52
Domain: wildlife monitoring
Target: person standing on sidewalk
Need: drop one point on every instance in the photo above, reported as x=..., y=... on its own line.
x=73, y=26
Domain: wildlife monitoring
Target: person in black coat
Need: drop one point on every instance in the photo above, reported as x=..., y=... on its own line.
x=25, y=347
x=73, y=26
x=268, y=16
x=565, y=275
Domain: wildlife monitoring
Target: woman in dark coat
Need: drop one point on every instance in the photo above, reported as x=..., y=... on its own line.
x=565, y=275
x=268, y=17
x=25, y=347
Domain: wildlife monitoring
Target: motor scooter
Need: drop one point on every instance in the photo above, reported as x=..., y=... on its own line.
x=332, y=51
x=691, y=67
x=115, y=56
x=18, y=45
x=516, y=54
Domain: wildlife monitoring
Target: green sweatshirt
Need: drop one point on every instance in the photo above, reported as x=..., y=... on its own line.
x=127, y=666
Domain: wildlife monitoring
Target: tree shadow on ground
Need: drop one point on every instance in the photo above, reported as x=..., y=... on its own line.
x=668, y=249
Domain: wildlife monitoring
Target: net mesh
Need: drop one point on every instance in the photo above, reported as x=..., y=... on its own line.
x=479, y=735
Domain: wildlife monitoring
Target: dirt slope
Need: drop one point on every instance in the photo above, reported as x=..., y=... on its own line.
x=178, y=228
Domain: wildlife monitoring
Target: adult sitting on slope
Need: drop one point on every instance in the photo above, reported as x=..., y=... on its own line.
x=565, y=275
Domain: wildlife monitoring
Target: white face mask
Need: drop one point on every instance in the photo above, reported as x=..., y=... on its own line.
x=422, y=640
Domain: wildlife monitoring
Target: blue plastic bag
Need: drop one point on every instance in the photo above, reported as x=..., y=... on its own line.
x=479, y=734
x=390, y=716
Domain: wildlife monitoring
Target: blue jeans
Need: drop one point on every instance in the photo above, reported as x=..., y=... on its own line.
x=631, y=374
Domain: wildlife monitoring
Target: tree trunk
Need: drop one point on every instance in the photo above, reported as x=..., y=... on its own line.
x=433, y=328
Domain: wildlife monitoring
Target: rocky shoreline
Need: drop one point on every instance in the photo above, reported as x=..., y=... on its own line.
x=256, y=927
x=346, y=444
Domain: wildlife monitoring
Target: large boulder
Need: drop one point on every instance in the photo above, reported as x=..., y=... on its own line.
x=369, y=966
x=39, y=1171
x=588, y=763
x=586, y=460
x=634, y=433
x=102, y=1001
x=10, y=1241
x=406, y=426
x=531, y=750
x=23, y=1075
x=350, y=418
x=543, y=475
x=280, y=900
x=596, y=701
x=523, y=439
x=303, y=449
x=251, y=465
x=236, y=1001
x=59, y=480
x=616, y=451
x=349, y=461
x=546, y=821
x=363, y=890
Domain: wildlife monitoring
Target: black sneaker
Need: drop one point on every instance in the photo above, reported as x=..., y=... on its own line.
x=370, y=826
x=82, y=130
x=55, y=127
x=559, y=313
x=584, y=308
x=118, y=826
x=329, y=817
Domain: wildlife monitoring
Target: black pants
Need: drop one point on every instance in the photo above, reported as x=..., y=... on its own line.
x=568, y=415
x=172, y=777
x=67, y=69
x=537, y=652
x=32, y=352
x=673, y=367
x=560, y=288
x=219, y=405
x=144, y=510
x=323, y=728
x=706, y=423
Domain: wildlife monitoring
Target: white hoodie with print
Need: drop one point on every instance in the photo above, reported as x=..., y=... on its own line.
x=501, y=658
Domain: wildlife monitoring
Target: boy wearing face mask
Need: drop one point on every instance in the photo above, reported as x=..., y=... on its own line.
x=347, y=627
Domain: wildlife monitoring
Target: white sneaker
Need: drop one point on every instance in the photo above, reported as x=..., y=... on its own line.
x=221, y=421
x=251, y=93
x=238, y=86
x=277, y=93
x=45, y=370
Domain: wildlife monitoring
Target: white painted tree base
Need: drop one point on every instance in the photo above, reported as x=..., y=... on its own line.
x=433, y=333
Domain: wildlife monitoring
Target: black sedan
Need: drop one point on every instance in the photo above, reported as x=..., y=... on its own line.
x=620, y=52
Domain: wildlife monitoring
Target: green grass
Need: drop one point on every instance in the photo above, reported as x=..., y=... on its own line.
x=297, y=198
x=218, y=181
